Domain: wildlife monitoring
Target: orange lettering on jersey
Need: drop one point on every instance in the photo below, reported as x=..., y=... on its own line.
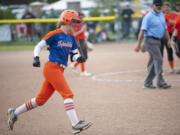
x=61, y=44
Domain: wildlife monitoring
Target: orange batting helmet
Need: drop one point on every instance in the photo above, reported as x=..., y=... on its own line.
x=69, y=17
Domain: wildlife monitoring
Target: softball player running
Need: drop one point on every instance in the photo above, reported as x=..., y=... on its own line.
x=61, y=44
x=79, y=33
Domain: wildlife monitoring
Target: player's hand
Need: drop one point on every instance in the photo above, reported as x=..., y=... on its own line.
x=36, y=62
x=81, y=59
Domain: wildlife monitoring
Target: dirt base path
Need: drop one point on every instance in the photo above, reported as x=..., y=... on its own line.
x=113, y=98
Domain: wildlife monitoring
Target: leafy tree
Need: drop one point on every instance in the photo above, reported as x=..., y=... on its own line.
x=95, y=12
x=6, y=14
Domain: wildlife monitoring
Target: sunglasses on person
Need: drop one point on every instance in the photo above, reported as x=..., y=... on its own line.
x=158, y=5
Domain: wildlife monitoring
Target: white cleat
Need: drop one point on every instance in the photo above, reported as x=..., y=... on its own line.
x=85, y=73
x=171, y=71
x=80, y=126
x=12, y=118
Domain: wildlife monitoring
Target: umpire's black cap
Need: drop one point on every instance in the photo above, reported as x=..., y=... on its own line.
x=158, y=2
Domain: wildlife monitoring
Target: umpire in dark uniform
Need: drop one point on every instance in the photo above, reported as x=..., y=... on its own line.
x=153, y=28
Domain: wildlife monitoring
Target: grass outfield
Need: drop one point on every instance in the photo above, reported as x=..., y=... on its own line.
x=12, y=46
x=22, y=45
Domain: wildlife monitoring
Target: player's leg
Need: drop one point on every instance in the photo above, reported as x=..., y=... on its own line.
x=170, y=58
x=65, y=91
x=83, y=67
x=57, y=79
x=60, y=84
x=74, y=66
x=178, y=52
x=44, y=94
x=84, y=52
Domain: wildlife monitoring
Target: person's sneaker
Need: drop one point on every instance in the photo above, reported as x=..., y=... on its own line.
x=149, y=87
x=80, y=126
x=171, y=70
x=85, y=73
x=12, y=118
x=164, y=86
x=178, y=72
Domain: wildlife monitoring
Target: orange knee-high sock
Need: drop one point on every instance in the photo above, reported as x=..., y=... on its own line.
x=83, y=67
x=76, y=64
x=171, y=64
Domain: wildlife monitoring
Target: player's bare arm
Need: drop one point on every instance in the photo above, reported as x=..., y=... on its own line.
x=80, y=31
x=168, y=38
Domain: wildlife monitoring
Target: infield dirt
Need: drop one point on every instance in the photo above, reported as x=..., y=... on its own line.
x=115, y=106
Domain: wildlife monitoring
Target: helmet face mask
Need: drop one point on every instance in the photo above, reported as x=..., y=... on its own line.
x=74, y=22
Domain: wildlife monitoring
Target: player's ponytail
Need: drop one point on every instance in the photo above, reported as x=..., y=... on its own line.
x=59, y=24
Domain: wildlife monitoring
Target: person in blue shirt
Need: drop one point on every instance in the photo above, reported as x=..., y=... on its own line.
x=61, y=45
x=153, y=28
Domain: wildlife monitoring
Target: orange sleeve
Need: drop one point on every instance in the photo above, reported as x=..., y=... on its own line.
x=50, y=34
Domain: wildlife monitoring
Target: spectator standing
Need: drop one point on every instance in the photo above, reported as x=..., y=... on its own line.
x=126, y=21
x=43, y=25
x=91, y=28
x=52, y=26
x=30, y=26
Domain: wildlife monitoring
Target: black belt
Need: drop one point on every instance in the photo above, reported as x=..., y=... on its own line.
x=153, y=38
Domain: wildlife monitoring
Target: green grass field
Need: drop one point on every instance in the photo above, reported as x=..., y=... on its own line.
x=22, y=45
x=12, y=46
